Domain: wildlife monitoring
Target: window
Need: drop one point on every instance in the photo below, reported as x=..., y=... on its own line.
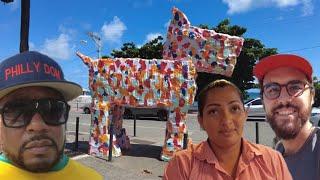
x=256, y=102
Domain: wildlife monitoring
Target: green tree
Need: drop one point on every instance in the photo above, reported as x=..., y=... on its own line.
x=150, y=50
x=128, y=50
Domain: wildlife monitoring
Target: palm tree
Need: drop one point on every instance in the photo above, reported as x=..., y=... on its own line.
x=24, y=28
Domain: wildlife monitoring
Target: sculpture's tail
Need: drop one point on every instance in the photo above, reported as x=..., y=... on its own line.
x=86, y=59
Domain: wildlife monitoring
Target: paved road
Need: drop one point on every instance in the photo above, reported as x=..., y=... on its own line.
x=142, y=162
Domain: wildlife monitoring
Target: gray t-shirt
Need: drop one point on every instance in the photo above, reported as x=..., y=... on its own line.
x=305, y=164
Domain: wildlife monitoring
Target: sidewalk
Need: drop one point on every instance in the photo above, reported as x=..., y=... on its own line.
x=141, y=162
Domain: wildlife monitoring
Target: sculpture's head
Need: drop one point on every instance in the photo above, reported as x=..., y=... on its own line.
x=210, y=51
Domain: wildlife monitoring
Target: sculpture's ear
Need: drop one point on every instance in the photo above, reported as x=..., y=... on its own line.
x=179, y=18
x=85, y=59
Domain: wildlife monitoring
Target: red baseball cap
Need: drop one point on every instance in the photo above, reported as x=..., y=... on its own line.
x=270, y=63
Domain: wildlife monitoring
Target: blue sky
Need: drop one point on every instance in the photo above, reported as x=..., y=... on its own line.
x=58, y=28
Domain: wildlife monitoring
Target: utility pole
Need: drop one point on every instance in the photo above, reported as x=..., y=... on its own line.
x=24, y=24
x=24, y=29
x=97, y=40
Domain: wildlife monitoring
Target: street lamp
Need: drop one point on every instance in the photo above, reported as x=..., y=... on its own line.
x=83, y=42
x=97, y=40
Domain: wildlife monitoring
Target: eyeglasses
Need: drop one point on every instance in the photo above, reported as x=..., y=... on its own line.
x=19, y=113
x=294, y=88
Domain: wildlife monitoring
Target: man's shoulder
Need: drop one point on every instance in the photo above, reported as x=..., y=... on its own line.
x=312, y=141
x=72, y=170
x=9, y=171
x=259, y=149
x=279, y=147
x=316, y=140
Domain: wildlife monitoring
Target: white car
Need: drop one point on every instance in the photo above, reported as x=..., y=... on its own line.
x=255, y=108
x=140, y=112
x=86, y=107
x=315, y=116
x=256, y=111
x=194, y=107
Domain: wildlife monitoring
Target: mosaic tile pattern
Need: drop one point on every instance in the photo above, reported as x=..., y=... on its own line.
x=211, y=52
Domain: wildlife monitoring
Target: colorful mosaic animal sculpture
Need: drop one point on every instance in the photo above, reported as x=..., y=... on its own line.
x=135, y=82
x=139, y=83
x=211, y=52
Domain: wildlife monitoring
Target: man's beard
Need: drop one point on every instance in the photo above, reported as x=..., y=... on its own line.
x=288, y=128
x=43, y=166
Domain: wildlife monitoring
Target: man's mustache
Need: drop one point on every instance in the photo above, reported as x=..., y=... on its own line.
x=284, y=106
x=38, y=138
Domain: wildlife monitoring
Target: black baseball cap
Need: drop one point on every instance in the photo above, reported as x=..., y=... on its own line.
x=32, y=68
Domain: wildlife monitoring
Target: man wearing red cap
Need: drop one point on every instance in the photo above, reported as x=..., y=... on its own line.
x=288, y=93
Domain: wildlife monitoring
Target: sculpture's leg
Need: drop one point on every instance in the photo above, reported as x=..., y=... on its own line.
x=123, y=140
x=101, y=125
x=176, y=134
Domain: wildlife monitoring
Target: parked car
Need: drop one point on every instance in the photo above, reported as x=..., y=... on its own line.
x=256, y=111
x=161, y=113
x=194, y=107
x=315, y=116
x=86, y=107
x=82, y=102
x=255, y=108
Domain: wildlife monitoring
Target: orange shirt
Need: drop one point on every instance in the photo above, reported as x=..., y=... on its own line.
x=199, y=162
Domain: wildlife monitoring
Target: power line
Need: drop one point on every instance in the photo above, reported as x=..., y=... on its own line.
x=285, y=21
x=301, y=49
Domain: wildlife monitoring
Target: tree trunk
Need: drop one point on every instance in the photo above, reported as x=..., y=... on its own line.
x=24, y=28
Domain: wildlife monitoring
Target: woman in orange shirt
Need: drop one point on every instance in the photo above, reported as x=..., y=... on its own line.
x=225, y=154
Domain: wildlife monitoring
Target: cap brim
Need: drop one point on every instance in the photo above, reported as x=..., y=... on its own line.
x=282, y=60
x=69, y=90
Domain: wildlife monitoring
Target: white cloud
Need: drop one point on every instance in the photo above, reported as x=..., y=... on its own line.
x=58, y=48
x=61, y=47
x=32, y=46
x=149, y=37
x=285, y=3
x=69, y=31
x=112, y=32
x=238, y=6
x=15, y=5
x=307, y=8
x=152, y=36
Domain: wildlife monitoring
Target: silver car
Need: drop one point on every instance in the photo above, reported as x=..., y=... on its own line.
x=160, y=113
x=255, y=108
x=257, y=113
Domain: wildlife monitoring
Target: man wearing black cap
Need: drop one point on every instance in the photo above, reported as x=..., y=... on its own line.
x=288, y=94
x=34, y=112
